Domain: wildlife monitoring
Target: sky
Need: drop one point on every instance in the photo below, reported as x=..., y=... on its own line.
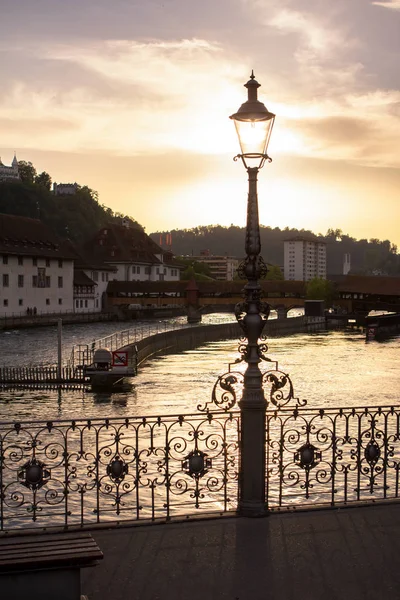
x=132, y=98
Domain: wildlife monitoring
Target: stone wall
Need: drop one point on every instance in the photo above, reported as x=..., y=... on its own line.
x=192, y=337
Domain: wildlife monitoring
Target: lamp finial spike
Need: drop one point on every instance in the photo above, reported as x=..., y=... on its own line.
x=252, y=76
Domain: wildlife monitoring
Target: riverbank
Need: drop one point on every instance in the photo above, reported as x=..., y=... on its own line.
x=29, y=321
x=179, y=340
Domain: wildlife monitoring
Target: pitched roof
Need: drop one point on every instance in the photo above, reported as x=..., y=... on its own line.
x=80, y=278
x=81, y=261
x=117, y=243
x=30, y=237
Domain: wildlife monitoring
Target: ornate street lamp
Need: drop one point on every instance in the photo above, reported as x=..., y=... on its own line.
x=253, y=124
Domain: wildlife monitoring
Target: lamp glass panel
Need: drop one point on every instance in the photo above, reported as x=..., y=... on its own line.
x=253, y=135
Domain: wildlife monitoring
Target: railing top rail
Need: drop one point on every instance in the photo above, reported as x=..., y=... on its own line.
x=185, y=417
x=272, y=411
x=125, y=420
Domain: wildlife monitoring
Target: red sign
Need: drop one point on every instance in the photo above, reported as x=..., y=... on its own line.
x=120, y=358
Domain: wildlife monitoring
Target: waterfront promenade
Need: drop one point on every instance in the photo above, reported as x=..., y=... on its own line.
x=350, y=553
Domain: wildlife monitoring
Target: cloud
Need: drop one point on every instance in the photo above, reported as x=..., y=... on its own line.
x=129, y=97
x=143, y=96
x=392, y=4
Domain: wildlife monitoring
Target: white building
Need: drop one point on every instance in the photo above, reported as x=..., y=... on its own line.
x=65, y=189
x=90, y=282
x=304, y=258
x=9, y=173
x=131, y=254
x=36, y=270
x=222, y=268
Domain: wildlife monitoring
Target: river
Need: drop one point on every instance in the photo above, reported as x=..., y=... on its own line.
x=330, y=368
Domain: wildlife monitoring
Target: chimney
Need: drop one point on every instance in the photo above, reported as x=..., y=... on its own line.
x=346, y=264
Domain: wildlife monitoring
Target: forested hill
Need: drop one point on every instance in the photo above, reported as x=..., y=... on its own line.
x=367, y=256
x=77, y=217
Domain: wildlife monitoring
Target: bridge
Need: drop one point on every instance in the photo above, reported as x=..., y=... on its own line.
x=212, y=296
x=353, y=293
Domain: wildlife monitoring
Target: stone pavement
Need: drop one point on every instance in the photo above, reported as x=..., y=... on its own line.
x=351, y=553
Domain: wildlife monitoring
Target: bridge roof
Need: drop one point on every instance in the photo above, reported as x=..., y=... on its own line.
x=205, y=287
x=376, y=285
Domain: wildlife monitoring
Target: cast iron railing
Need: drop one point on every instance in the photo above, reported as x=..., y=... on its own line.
x=333, y=456
x=85, y=472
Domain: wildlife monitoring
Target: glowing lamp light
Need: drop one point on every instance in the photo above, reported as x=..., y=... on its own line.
x=253, y=123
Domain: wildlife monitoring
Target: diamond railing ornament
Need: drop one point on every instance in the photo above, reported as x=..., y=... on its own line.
x=117, y=469
x=196, y=463
x=33, y=474
x=307, y=456
x=372, y=452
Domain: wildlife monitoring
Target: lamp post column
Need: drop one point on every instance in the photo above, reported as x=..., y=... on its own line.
x=253, y=123
x=252, y=314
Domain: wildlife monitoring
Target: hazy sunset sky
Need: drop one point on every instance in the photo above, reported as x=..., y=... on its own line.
x=132, y=98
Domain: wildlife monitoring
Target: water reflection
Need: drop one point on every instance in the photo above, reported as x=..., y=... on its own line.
x=329, y=369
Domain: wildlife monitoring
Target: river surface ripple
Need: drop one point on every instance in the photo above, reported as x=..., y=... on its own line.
x=328, y=369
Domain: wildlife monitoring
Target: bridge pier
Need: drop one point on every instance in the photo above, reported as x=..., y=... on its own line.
x=192, y=302
x=282, y=312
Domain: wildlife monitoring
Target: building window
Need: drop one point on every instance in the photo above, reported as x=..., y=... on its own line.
x=103, y=276
x=34, y=262
x=60, y=301
x=165, y=271
x=106, y=276
x=47, y=262
x=20, y=261
x=158, y=271
x=5, y=259
x=34, y=281
x=97, y=303
x=138, y=270
x=20, y=281
x=95, y=276
x=20, y=302
x=5, y=302
x=47, y=281
x=47, y=301
x=133, y=269
x=85, y=303
x=76, y=303
x=147, y=270
x=60, y=264
x=60, y=282
x=6, y=280
x=81, y=303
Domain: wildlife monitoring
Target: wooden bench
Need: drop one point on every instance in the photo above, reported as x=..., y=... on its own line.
x=45, y=567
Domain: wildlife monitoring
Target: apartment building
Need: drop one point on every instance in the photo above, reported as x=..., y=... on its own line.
x=222, y=268
x=304, y=258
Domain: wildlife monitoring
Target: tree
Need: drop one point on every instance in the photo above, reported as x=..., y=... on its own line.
x=194, y=269
x=274, y=273
x=27, y=171
x=320, y=289
x=44, y=180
